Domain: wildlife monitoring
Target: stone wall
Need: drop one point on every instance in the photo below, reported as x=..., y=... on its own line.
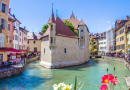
x=10, y=72
x=15, y=70
x=123, y=60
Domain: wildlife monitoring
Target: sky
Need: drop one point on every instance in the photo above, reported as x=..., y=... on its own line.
x=99, y=15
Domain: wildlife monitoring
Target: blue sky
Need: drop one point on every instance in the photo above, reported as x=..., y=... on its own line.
x=97, y=14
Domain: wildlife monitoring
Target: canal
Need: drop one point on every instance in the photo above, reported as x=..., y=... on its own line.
x=89, y=75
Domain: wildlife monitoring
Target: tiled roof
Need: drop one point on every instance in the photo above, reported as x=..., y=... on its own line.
x=20, y=28
x=35, y=36
x=52, y=19
x=82, y=22
x=74, y=21
x=63, y=30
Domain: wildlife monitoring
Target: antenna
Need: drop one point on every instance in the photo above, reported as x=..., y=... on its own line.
x=52, y=7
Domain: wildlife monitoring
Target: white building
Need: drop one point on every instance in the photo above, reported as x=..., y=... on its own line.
x=16, y=34
x=109, y=40
x=102, y=45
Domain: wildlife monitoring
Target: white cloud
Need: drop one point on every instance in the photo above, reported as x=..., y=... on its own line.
x=108, y=21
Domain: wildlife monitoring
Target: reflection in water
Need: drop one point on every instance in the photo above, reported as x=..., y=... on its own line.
x=36, y=77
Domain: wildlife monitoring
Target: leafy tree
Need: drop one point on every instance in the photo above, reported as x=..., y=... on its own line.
x=70, y=25
x=44, y=28
x=92, y=46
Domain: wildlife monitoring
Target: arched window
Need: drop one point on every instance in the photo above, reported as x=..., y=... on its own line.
x=51, y=27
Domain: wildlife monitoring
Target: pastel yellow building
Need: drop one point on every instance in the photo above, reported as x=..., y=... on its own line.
x=34, y=43
x=4, y=7
x=121, y=37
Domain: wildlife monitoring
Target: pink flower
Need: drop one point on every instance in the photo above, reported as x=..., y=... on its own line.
x=111, y=78
x=115, y=81
x=103, y=87
x=105, y=79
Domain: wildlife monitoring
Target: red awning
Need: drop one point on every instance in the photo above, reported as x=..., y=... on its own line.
x=12, y=50
x=3, y=49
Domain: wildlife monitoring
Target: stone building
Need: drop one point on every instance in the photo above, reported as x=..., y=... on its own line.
x=34, y=43
x=23, y=34
x=4, y=7
x=60, y=47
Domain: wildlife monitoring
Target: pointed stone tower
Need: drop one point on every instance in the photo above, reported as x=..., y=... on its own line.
x=83, y=42
x=72, y=16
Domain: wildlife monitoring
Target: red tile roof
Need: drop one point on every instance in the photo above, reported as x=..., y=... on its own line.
x=74, y=21
x=82, y=22
x=52, y=19
x=63, y=30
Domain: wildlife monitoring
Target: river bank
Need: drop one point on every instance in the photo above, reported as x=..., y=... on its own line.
x=14, y=70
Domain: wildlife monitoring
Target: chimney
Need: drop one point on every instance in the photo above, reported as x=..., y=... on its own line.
x=127, y=17
x=24, y=27
x=9, y=10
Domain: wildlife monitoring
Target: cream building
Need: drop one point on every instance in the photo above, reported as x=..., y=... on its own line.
x=60, y=47
x=34, y=43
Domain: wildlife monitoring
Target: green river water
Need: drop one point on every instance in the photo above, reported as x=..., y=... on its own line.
x=89, y=76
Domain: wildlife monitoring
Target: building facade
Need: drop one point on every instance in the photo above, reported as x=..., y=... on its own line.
x=34, y=43
x=109, y=40
x=60, y=47
x=121, y=28
x=4, y=7
x=16, y=34
x=23, y=35
x=102, y=50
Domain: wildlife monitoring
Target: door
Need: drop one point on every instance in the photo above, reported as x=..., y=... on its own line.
x=1, y=57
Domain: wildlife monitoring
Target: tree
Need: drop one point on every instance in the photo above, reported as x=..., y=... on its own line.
x=70, y=25
x=92, y=46
x=44, y=28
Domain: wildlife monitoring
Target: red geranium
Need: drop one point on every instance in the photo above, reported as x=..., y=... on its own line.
x=105, y=79
x=103, y=87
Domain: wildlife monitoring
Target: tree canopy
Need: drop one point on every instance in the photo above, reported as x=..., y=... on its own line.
x=92, y=46
x=70, y=25
x=44, y=28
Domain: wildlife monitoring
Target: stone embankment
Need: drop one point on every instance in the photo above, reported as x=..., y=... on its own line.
x=6, y=72
x=123, y=60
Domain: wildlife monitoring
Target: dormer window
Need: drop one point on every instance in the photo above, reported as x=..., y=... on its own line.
x=51, y=27
x=82, y=30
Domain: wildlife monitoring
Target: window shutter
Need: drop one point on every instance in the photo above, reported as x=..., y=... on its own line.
x=7, y=9
x=5, y=24
x=0, y=6
x=1, y=40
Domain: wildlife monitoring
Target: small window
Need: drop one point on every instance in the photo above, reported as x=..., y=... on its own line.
x=82, y=37
x=51, y=39
x=20, y=33
x=28, y=42
x=82, y=30
x=34, y=42
x=35, y=49
x=44, y=50
x=64, y=50
x=51, y=27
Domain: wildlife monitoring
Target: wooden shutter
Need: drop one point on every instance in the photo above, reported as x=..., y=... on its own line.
x=0, y=6
x=5, y=24
x=6, y=9
x=1, y=40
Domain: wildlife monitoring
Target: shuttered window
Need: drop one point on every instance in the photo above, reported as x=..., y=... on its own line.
x=3, y=7
x=1, y=40
x=3, y=24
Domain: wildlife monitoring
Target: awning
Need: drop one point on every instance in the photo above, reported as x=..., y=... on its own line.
x=12, y=50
